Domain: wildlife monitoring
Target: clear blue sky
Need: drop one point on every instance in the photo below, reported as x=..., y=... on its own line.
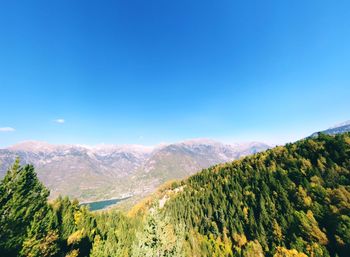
x=146, y=72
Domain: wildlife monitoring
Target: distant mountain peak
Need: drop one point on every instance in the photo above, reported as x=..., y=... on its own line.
x=345, y=123
x=122, y=148
x=42, y=146
x=33, y=146
x=199, y=141
x=337, y=129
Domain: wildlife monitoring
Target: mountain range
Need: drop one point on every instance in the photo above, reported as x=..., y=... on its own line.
x=290, y=200
x=115, y=171
x=337, y=129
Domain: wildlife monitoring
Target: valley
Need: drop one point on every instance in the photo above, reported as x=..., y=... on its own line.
x=288, y=201
x=174, y=128
x=112, y=171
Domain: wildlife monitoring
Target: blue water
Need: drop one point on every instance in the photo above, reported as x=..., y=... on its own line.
x=99, y=205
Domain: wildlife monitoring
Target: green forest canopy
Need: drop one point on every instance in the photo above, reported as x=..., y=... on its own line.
x=291, y=200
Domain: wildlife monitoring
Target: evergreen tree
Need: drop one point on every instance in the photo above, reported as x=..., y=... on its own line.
x=22, y=195
x=158, y=238
x=287, y=201
x=42, y=238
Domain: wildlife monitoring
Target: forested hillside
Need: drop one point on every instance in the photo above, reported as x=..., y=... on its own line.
x=293, y=197
x=287, y=201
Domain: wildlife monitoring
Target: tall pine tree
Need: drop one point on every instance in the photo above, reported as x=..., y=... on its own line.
x=22, y=195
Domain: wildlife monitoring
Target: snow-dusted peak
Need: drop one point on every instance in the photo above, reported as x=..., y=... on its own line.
x=34, y=146
x=245, y=145
x=106, y=149
x=345, y=123
x=199, y=141
x=235, y=147
x=41, y=146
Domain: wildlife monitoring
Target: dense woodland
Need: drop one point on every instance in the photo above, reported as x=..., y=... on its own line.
x=287, y=201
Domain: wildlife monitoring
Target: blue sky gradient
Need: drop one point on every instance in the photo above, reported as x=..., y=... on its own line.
x=146, y=72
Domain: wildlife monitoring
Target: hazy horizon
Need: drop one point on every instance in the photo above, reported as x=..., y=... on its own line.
x=232, y=140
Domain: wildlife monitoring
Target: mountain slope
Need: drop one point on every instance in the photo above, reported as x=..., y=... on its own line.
x=180, y=160
x=338, y=129
x=106, y=171
x=291, y=201
x=78, y=171
x=293, y=197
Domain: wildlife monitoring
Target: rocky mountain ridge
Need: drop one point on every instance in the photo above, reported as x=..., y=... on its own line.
x=105, y=171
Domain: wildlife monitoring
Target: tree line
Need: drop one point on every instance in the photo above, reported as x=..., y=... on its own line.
x=292, y=200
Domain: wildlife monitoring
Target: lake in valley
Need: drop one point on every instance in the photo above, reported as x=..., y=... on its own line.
x=99, y=205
